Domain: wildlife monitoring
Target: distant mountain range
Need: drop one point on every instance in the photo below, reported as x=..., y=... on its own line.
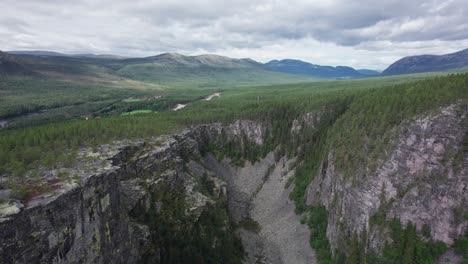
x=428, y=63
x=37, y=53
x=208, y=60
x=168, y=69
x=57, y=54
x=165, y=61
x=308, y=69
x=100, y=56
x=288, y=66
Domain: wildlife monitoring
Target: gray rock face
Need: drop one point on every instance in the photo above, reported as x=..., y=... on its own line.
x=92, y=222
x=255, y=132
x=307, y=120
x=424, y=180
x=88, y=224
x=243, y=131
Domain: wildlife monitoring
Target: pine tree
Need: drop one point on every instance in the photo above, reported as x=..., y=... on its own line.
x=353, y=255
x=363, y=245
x=410, y=244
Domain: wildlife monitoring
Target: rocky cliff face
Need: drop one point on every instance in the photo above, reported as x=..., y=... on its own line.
x=91, y=222
x=423, y=181
x=123, y=200
x=99, y=214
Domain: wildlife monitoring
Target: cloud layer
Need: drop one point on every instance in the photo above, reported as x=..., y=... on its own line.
x=363, y=33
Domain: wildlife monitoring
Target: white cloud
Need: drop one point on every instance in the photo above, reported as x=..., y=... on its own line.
x=337, y=32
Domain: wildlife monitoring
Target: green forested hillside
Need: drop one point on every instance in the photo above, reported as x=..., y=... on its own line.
x=280, y=103
x=58, y=88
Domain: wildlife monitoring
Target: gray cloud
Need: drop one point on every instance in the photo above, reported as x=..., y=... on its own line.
x=361, y=33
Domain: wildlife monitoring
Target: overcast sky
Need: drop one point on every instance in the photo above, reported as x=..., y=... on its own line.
x=362, y=34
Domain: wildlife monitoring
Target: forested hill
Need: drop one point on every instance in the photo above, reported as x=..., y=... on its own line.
x=9, y=65
x=208, y=60
x=428, y=63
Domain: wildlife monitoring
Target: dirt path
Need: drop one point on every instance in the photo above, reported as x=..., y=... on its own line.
x=212, y=96
x=209, y=98
x=178, y=107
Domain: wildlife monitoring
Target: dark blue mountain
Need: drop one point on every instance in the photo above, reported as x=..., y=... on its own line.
x=368, y=72
x=428, y=63
x=299, y=67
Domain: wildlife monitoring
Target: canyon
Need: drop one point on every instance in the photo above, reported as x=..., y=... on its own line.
x=168, y=198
